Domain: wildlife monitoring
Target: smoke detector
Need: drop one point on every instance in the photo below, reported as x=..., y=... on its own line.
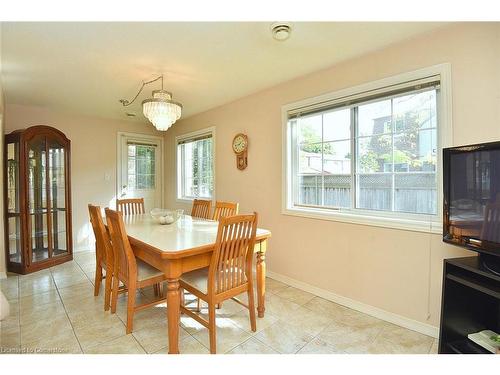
x=281, y=31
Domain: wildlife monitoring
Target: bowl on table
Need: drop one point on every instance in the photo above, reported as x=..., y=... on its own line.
x=164, y=216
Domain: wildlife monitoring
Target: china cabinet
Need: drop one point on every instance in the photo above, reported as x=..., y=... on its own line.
x=37, y=198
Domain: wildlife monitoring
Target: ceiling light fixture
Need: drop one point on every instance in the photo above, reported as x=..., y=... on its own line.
x=160, y=110
x=281, y=31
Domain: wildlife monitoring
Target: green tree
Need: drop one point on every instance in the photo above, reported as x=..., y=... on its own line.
x=202, y=166
x=369, y=161
x=312, y=141
x=379, y=150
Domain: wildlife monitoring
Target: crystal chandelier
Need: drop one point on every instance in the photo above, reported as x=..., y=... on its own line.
x=160, y=110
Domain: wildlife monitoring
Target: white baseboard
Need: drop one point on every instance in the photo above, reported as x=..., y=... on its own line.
x=3, y=275
x=83, y=250
x=82, y=247
x=390, y=317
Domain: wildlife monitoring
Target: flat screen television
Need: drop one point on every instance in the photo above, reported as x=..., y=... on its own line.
x=471, y=192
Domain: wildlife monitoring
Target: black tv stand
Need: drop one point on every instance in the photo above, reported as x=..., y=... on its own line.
x=490, y=263
x=470, y=303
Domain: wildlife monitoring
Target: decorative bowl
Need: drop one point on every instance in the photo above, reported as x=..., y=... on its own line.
x=157, y=212
x=164, y=216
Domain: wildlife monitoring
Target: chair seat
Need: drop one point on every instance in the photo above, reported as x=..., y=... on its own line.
x=145, y=271
x=198, y=279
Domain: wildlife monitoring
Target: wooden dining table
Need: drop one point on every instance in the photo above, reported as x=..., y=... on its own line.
x=184, y=246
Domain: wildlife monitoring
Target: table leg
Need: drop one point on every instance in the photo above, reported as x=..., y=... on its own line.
x=261, y=283
x=173, y=315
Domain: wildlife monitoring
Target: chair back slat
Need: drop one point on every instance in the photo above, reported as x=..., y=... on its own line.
x=224, y=209
x=125, y=263
x=103, y=248
x=130, y=206
x=491, y=223
x=201, y=208
x=231, y=264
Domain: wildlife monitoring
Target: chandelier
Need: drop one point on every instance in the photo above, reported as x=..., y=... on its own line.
x=160, y=110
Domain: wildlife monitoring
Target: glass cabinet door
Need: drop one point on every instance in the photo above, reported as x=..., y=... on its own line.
x=37, y=199
x=13, y=209
x=57, y=171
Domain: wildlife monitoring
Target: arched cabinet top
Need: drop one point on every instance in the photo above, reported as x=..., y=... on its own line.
x=38, y=130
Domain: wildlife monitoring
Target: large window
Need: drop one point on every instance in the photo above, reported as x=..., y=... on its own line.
x=195, y=165
x=372, y=154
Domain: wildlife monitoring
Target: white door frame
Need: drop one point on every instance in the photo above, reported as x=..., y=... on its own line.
x=119, y=153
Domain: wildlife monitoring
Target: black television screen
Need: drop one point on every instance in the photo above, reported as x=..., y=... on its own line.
x=471, y=192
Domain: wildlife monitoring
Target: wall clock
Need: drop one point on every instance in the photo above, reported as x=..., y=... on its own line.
x=240, y=148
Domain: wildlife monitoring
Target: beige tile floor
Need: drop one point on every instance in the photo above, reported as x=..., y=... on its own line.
x=55, y=311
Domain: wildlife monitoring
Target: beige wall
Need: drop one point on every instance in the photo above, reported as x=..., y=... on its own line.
x=393, y=270
x=93, y=154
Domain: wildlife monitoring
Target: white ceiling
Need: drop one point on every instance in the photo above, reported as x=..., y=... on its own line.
x=87, y=67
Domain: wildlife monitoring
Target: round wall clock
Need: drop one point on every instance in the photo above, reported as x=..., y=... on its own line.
x=240, y=148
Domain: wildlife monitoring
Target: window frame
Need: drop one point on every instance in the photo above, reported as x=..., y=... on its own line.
x=178, y=161
x=387, y=219
x=121, y=173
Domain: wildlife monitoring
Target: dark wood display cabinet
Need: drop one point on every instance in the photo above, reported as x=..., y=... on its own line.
x=471, y=303
x=37, y=196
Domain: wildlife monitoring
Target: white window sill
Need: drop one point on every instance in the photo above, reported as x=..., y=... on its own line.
x=190, y=200
x=184, y=200
x=415, y=225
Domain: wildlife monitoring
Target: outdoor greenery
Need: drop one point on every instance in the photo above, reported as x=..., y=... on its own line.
x=202, y=184
x=379, y=150
x=141, y=166
x=312, y=141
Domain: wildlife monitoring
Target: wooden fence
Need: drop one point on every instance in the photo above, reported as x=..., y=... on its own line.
x=413, y=192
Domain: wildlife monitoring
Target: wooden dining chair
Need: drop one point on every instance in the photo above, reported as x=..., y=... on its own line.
x=201, y=208
x=103, y=254
x=132, y=272
x=131, y=206
x=491, y=223
x=224, y=209
x=229, y=273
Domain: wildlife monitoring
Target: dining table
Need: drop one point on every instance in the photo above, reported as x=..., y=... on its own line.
x=183, y=246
